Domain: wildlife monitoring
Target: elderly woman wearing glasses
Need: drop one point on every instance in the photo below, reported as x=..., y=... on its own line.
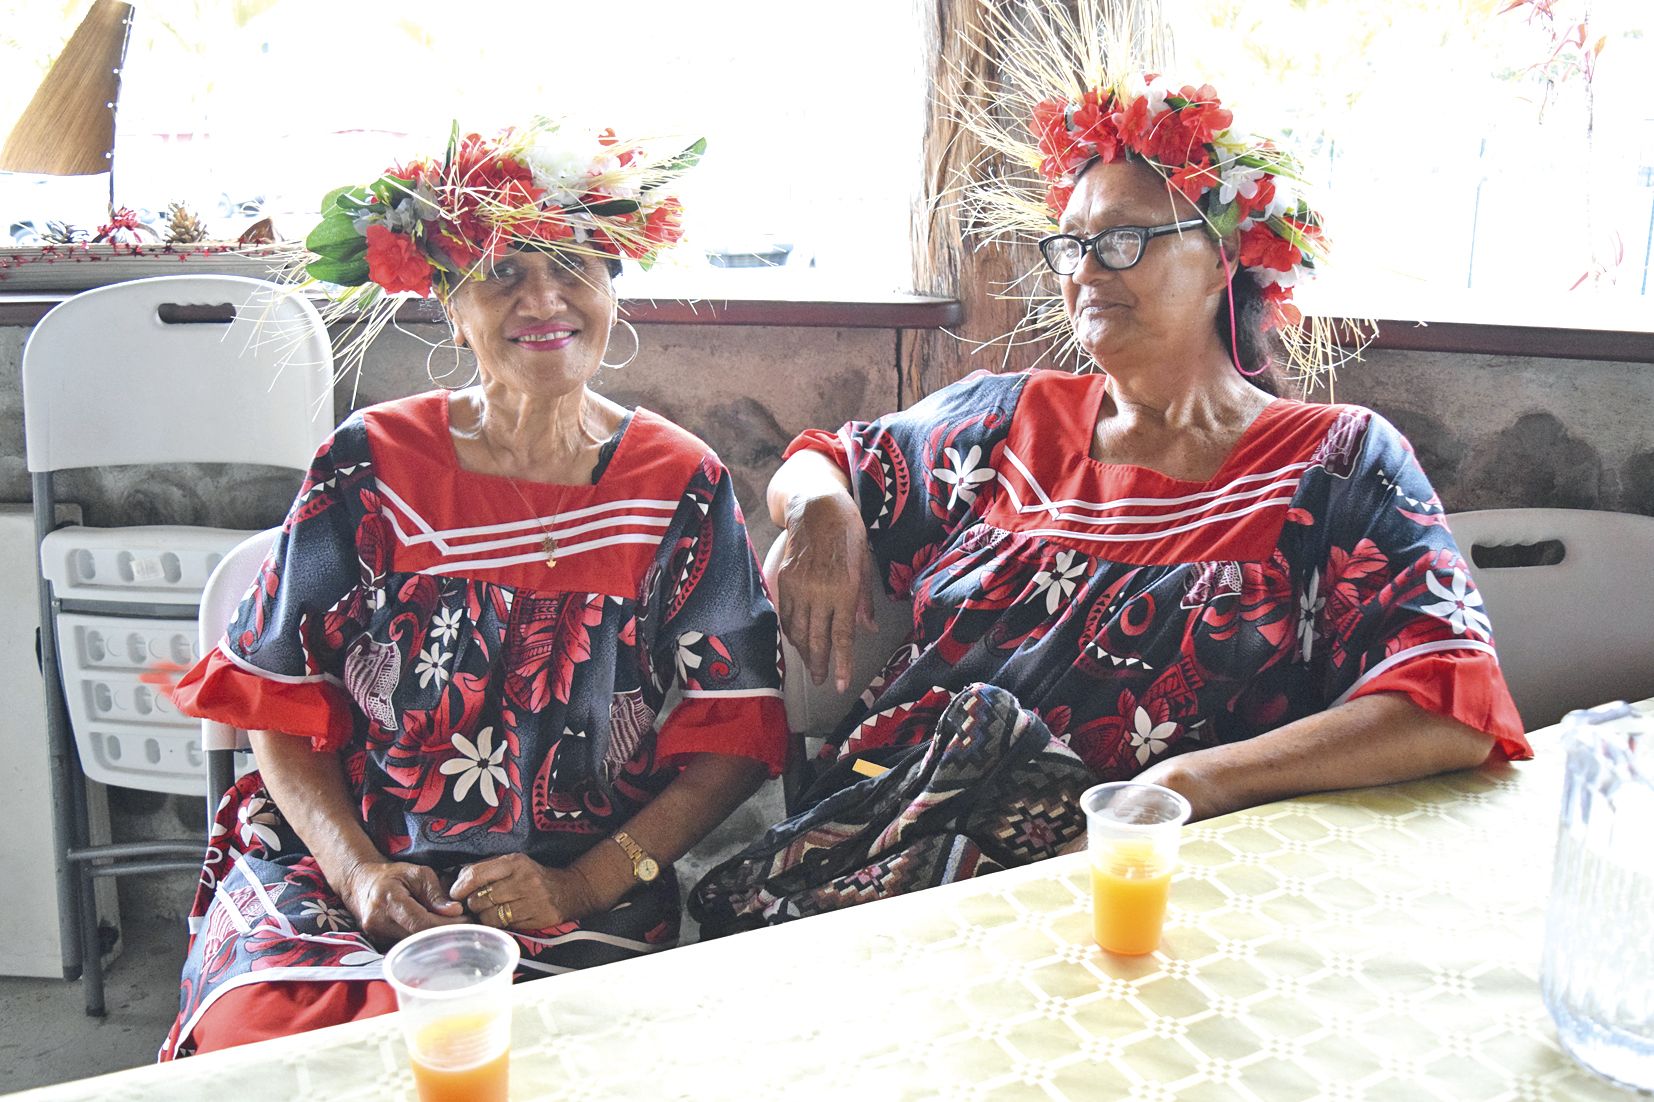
x=1151, y=568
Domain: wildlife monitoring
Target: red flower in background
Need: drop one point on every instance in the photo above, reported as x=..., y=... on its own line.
x=396, y=263
x=1057, y=197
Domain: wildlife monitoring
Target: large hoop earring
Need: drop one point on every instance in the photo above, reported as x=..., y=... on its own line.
x=637, y=345
x=437, y=380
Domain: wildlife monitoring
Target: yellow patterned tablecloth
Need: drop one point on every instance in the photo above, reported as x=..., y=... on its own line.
x=1370, y=945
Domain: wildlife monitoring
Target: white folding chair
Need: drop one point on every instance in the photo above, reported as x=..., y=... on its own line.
x=220, y=597
x=814, y=710
x=1579, y=629
x=176, y=369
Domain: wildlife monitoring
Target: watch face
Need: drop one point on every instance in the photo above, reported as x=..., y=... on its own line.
x=647, y=870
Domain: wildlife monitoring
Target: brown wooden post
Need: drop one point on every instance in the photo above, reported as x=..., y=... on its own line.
x=944, y=261
x=947, y=260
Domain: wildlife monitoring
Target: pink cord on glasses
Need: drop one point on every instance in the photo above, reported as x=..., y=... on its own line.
x=1234, y=339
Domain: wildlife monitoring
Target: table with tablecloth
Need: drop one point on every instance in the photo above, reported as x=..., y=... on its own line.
x=1374, y=944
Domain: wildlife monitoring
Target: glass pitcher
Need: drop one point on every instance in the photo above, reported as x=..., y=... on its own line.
x=1597, y=975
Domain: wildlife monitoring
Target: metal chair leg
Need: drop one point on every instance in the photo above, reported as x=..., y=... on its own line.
x=64, y=764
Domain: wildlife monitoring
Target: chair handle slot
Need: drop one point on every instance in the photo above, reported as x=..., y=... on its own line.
x=195, y=313
x=1503, y=555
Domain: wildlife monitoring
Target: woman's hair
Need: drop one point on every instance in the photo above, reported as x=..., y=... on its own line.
x=1254, y=344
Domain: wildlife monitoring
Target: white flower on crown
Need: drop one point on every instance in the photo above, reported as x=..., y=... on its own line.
x=561, y=166
x=1238, y=179
x=1269, y=277
x=1285, y=201
x=1155, y=92
x=1232, y=143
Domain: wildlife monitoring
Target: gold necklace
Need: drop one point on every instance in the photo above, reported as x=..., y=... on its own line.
x=548, y=542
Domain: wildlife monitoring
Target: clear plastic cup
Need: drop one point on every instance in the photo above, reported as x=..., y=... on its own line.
x=453, y=987
x=1132, y=834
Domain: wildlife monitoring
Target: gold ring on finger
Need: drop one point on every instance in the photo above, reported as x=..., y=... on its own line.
x=484, y=893
x=503, y=913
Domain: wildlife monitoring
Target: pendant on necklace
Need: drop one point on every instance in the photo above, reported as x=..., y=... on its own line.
x=549, y=545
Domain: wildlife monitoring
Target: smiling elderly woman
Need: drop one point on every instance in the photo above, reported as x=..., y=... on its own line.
x=1154, y=569
x=454, y=657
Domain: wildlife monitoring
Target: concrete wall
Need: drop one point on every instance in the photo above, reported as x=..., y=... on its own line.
x=1491, y=432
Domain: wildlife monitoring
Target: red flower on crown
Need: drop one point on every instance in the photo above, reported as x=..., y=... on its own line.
x=1262, y=247
x=664, y=226
x=396, y=263
x=1195, y=178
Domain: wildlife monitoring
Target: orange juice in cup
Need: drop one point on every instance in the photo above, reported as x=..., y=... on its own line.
x=1132, y=834
x=453, y=996
x=451, y=1062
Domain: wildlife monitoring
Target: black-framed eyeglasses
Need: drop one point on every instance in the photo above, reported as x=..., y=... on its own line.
x=1116, y=248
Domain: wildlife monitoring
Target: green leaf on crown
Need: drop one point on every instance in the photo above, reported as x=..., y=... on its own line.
x=390, y=188
x=1225, y=220
x=610, y=209
x=334, y=235
x=345, y=273
x=683, y=162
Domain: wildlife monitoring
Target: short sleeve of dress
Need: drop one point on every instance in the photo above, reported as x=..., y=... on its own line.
x=280, y=664
x=917, y=474
x=718, y=631
x=1394, y=607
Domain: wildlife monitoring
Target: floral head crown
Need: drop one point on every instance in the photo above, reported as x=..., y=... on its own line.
x=1241, y=185
x=426, y=226
x=1044, y=88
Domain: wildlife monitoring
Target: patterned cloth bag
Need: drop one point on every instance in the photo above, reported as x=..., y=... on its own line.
x=992, y=789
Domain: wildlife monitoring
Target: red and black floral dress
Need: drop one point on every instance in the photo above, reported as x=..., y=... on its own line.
x=1100, y=617
x=484, y=702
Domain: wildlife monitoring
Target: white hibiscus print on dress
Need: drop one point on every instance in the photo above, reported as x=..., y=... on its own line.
x=1460, y=605
x=445, y=627
x=1148, y=737
x=964, y=475
x=258, y=822
x=433, y=663
x=327, y=917
x=1309, y=606
x=1058, y=583
x=478, y=764
x=687, y=658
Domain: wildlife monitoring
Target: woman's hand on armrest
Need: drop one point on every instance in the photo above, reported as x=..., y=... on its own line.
x=1378, y=739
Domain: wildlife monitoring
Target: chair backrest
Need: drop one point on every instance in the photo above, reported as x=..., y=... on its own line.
x=1576, y=633
x=119, y=375
x=228, y=583
x=814, y=710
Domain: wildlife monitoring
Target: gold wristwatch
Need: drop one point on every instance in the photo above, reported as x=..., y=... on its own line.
x=644, y=867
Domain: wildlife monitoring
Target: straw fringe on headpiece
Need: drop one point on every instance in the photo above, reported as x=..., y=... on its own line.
x=1075, y=81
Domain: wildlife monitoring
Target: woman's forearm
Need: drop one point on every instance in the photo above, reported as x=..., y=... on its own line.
x=1378, y=739
x=310, y=788
x=702, y=796
x=808, y=474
